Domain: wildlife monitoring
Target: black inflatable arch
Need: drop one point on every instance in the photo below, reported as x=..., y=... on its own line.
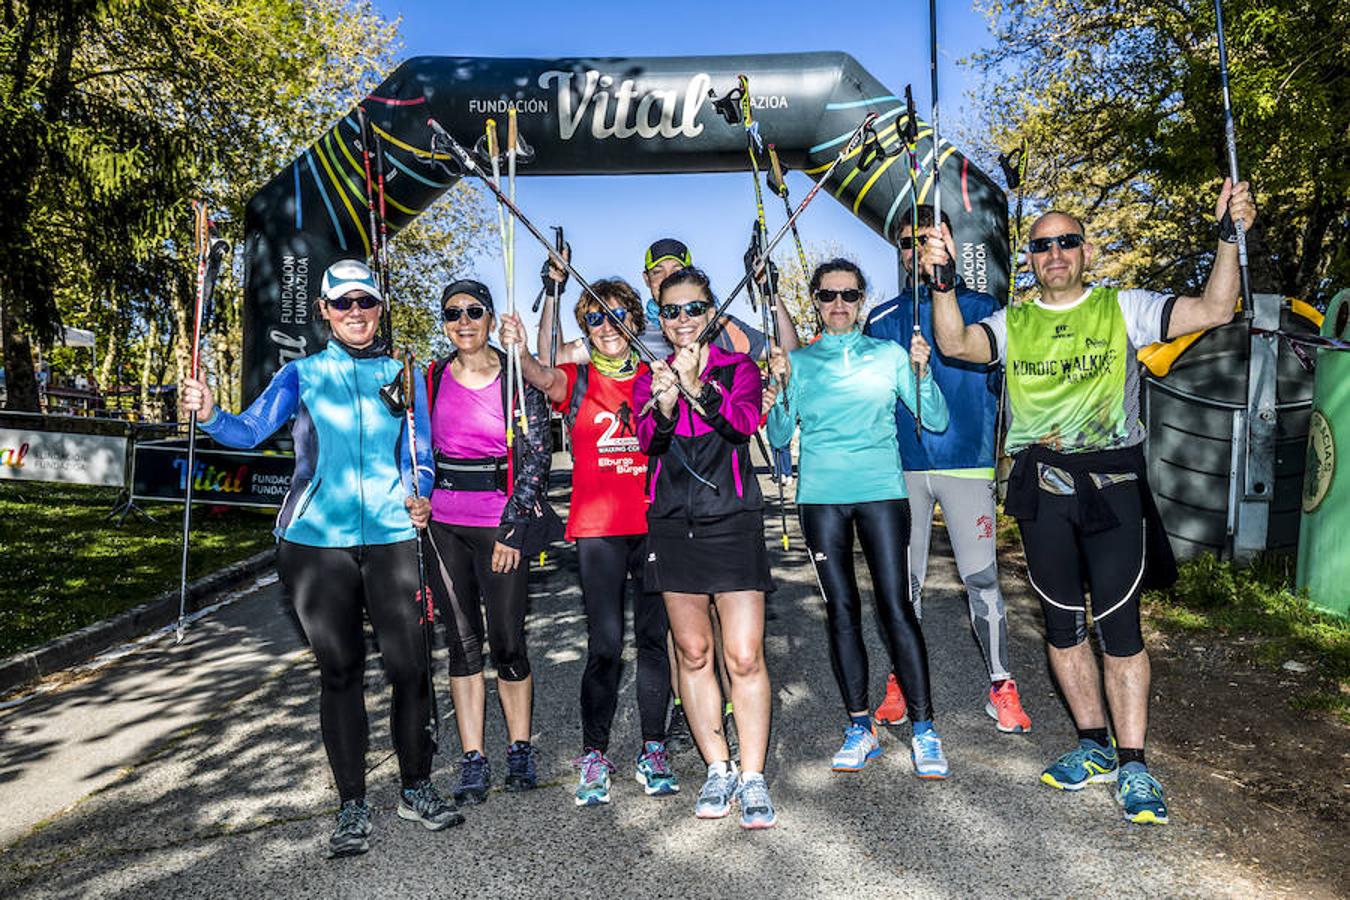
x=587, y=116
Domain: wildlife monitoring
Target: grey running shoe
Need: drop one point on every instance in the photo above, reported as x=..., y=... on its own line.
x=756, y=807
x=678, y=738
x=423, y=803
x=350, y=838
x=714, y=800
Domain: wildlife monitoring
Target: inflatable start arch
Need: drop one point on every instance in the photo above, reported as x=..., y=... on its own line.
x=588, y=116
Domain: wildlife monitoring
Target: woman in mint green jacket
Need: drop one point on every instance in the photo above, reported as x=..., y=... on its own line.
x=841, y=392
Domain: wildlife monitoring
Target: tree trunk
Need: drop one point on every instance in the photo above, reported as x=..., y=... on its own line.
x=20, y=379
x=147, y=360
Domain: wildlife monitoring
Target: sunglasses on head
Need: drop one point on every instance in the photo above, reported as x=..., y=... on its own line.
x=1065, y=241
x=342, y=304
x=595, y=318
x=848, y=295
x=454, y=313
x=692, y=309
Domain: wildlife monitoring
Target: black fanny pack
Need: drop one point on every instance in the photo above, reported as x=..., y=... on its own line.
x=486, y=473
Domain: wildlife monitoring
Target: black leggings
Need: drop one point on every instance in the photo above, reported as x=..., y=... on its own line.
x=883, y=530
x=464, y=585
x=1060, y=557
x=606, y=564
x=330, y=588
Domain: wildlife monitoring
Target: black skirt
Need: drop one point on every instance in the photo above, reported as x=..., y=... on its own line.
x=721, y=556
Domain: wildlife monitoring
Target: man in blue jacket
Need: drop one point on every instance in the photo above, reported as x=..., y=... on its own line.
x=955, y=469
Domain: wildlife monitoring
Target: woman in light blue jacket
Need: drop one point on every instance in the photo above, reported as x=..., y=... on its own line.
x=841, y=392
x=347, y=540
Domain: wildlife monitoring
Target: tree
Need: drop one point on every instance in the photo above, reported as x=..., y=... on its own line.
x=98, y=102
x=1121, y=109
x=113, y=113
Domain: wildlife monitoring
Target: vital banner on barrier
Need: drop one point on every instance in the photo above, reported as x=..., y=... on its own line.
x=223, y=477
x=32, y=455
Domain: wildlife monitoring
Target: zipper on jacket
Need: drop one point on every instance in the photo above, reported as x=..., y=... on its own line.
x=310, y=491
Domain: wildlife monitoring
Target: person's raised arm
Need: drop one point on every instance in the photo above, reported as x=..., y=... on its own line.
x=274, y=407
x=1215, y=306
x=550, y=380
x=955, y=338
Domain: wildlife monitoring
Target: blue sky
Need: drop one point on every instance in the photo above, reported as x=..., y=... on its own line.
x=610, y=220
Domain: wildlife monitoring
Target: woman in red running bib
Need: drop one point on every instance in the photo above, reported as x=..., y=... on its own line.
x=608, y=521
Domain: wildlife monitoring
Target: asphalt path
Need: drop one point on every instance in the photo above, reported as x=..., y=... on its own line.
x=196, y=770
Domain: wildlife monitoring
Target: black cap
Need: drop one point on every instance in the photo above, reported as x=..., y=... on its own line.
x=475, y=289
x=668, y=248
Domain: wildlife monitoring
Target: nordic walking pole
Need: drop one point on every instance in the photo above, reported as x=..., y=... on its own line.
x=769, y=303
x=209, y=256
x=512, y=137
x=376, y=263
x=943, y=277
x=383, y=253
x=466, y=160
x=781, y=189
x=491, y=131
x=201, y=228
x=912, y=149
x=1231, y=138
x=409, y=388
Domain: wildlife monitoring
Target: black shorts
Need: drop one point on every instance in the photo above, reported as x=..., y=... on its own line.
x=1062, y=559
x=721, y=556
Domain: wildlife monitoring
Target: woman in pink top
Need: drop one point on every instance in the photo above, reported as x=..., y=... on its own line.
x=486, y=500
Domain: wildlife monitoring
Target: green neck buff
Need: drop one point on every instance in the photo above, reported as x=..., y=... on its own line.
x=610, y=367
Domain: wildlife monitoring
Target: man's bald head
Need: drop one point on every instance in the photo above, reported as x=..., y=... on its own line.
x=1052, y=223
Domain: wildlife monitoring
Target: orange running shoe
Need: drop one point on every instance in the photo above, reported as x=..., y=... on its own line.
x=1005, y=707
x=892, y=710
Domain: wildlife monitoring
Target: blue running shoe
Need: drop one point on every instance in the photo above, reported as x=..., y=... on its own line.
x=756, y=807
x=653, y=771
x=1140, y=795
x=475, y=775
x=929, y=761
x=593, y=785
x=1088, y=763
x=714, y=801
x=860, y=745
x=520, y=771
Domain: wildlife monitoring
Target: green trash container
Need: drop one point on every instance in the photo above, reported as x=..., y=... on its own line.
x=1323, y=551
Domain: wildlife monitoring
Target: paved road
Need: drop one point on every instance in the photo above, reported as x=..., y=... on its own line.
x=196, y=770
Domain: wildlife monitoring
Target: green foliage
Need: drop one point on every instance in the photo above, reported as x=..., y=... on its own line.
x=1120, y=105
x=115, y=113
x=65, y=566
x=1261, y=601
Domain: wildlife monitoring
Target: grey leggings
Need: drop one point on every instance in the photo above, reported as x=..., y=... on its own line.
x=972, y=526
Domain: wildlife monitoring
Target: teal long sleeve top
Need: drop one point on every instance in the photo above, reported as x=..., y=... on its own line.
x=842, y=394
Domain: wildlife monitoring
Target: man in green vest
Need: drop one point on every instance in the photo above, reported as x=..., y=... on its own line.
x=1079, y=486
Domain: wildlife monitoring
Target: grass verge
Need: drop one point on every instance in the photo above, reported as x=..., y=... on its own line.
x=1261, y=602
x=64, y=565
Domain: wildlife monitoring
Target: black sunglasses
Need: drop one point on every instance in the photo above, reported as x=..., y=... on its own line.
x=907, y=242
x=454, y=313
x=692, y=309
x=1065, y=241
x=594, y=318
x=848, y=295
x=342, y=304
